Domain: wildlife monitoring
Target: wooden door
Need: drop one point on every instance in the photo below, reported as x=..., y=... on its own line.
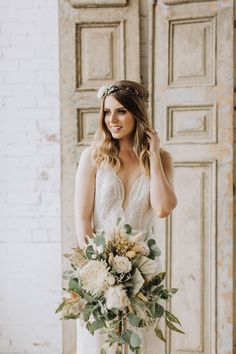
x=99, y=43
x=193, y=111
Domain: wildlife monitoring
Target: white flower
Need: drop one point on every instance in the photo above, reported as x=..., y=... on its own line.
x=116, y=297
x=101, y=91
x=104, y=89
x=93, y=276
x=122, y=264
x=111, y=280
x=142, y=248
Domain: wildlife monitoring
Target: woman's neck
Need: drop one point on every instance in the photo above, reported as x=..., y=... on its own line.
x=125, y=145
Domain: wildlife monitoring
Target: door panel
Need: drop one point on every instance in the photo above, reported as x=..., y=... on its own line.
x=193, y=112
x=99, y=43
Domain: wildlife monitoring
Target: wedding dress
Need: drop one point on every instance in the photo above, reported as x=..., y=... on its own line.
x=109, y=198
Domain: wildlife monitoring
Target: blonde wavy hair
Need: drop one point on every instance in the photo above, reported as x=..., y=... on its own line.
x=133, y=97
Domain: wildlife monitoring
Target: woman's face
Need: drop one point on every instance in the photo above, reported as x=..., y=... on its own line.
x=118, y=119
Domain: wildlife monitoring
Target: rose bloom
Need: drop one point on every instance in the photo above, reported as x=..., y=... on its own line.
x=122, y=264
x=111, y=279
x=130, y=254
x=142, y=248
x=116, y=297
x=93, y=276
x=72, y=308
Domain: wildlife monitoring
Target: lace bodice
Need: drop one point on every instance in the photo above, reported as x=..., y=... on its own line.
x=109, y=198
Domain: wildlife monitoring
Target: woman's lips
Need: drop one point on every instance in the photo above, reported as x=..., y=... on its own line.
x=115, y=129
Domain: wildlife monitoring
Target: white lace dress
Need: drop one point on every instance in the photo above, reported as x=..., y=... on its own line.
x=109, y=198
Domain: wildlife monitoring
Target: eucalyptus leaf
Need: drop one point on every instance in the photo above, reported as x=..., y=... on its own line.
x=171, y=317
x=103, y=351
x=156, y=249
x=99, y=240
x=128, y=228
x=119, y=350
x=89, y=252
x=167, y=293
x=135, y=340
x=59, y=308
x=97, y=325
x=134, y=320
x=73, y=284
x=158, y=278
x=153, y=247
x=171, y=326
x=87, y=311
x=156, y=290
x=126, y=335
x=151, y=242
x=88, y=326
x=157, y=310
x=159, y=334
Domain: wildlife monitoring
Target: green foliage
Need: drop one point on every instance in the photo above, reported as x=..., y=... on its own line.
x=157, y=289
x=128, y=229
x=167, y=293
x=60, y=307
x=158, y=278
x=74, y=284
x=97, y=325
x=171, y=317
x=87, y=311
x=89, y=252
x=134, y=320
x=154, y=249
x=171, y=326
x=99, y=240
x=156, y=309
x=126, y=335
x=119, y=350
x=135, y=340
x=159, y=334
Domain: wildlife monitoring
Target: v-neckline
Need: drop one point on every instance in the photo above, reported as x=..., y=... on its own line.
x=123, y=189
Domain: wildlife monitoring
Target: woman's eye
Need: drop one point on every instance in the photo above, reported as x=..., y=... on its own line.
x=122, y=112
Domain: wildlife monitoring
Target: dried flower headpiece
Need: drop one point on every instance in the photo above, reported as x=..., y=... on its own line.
x=105, y=90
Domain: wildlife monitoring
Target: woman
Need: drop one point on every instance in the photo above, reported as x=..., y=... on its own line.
x=125, y=174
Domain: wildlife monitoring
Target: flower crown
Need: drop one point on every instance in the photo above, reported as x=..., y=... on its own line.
x=105, y=90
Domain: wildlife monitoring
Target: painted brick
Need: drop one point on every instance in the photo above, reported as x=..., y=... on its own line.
x=30, y=227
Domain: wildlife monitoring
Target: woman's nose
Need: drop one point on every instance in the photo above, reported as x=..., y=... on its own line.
x=113, y=117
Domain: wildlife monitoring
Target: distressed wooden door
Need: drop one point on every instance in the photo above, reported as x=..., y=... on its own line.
x=192, y=107
x=99, y=43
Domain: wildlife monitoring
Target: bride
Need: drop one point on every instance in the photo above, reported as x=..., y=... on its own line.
x=124, y=174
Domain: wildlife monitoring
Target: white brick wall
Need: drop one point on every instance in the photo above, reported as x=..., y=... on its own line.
x=30, y=248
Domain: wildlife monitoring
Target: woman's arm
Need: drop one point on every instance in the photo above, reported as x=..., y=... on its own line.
x=163, y=198
x=84, y=196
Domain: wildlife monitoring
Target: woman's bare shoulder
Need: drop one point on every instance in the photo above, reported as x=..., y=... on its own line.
x=86, y=162
x=166, y=155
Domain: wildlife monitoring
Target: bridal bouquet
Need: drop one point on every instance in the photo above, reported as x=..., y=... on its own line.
x=114, y=286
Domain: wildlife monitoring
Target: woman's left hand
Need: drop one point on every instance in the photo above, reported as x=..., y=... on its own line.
x=154, y=141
